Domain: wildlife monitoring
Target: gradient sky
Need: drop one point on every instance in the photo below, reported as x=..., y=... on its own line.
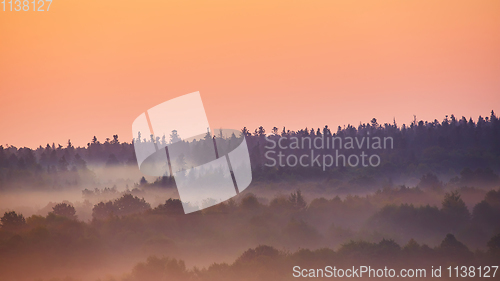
x=91, y=67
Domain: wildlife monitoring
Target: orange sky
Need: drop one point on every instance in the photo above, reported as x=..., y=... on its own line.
x=91, y=67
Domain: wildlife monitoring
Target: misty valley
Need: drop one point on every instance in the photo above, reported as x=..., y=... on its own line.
x=88, y=213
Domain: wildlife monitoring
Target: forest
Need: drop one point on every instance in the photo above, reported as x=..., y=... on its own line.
x=444, y=148
x=87, y=213
x=251, y=240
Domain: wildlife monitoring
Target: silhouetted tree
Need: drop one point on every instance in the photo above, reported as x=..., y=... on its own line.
x=297, y=200
x=12, y=221
x=494, y=245
x=129, y=204
x=64, y=210
x=171, y=207
x=455, y=210
x=452, y=248
x=104, y=210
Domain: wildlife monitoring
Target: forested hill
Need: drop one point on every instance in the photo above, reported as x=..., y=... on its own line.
x=451, y=147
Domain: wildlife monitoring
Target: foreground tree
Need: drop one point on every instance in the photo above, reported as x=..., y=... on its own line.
x=455, y=210
x=297, y=200
x=494, y=246
x=64, y=210
x=12, y=221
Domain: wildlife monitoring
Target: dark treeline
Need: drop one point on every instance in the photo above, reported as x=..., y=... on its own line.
x=445, y=148
x=433, y=200
x=268, y=263
x=363, y=230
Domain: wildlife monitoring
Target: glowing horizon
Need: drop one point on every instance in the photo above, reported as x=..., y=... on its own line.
x=89, y=68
